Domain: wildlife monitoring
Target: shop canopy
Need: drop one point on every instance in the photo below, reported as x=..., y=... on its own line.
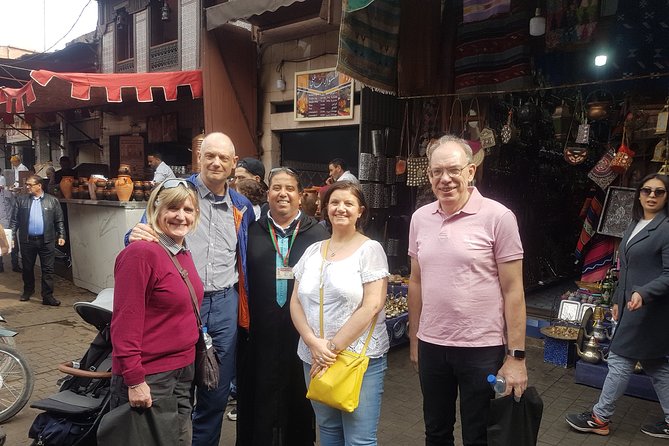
x=223, y=13
x=49, y=91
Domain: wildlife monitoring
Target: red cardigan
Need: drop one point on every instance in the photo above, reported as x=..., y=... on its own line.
x=153, y=326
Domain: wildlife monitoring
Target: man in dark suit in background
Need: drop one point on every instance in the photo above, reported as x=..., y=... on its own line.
x=38, y=218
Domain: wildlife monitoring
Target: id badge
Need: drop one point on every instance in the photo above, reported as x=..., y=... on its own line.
x=285, y=273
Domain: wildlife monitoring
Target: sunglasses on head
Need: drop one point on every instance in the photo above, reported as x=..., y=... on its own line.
x=176, y=182
x=659, y=192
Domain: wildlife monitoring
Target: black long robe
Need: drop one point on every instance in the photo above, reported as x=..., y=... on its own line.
x=272, y=409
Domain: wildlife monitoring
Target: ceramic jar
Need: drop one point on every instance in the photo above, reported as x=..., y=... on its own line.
x=138, y=195
x=66, y=184
x=123, y=187
x=124, y=169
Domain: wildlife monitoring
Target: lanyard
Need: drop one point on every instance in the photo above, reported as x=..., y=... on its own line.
x=275, y=241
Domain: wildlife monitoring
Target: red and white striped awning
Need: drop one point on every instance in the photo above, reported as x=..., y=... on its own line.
x=52, y=91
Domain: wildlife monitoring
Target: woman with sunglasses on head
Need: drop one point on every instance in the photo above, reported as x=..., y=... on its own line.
x=154, y=329
x=349, y=272
x=641, y=307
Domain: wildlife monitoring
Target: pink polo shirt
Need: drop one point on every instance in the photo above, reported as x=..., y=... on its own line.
x=458, y=255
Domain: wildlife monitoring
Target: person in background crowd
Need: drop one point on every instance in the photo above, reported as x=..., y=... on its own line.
x=50, y=180
x=310, y=202
x=65, y=170
x=154, y=329
x=5, y=247
x=466, y=298
x=641, y=307
x=219, y=251
x=350, y=272
x=252, y=190
x=272, y=409
x=3, y=181
x=339, y=172
x=162, y=170
x=38, y=219
x=251, y=169
x=6, y=208
x=17, y=166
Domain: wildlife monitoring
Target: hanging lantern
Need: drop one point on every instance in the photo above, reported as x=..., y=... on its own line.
x=165, y=11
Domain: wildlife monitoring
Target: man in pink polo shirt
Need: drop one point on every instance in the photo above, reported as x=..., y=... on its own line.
x=466, y=298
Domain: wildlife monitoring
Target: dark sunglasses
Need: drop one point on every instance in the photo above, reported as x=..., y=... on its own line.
x=646, y=191
x=283, y=169
x=176, y=182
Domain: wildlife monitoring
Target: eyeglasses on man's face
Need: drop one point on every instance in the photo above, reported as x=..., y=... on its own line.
x=659, y=192
x=31, y=184
x=453, y=172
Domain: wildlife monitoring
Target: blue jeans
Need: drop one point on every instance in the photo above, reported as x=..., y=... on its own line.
x=615, y=384
x=219, y=314
x=357, y=428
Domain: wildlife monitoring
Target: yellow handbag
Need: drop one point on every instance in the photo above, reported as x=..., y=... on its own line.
x=339, y=387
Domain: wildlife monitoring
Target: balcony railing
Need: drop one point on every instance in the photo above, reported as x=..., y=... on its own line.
x=125, y=66
x=164, y=56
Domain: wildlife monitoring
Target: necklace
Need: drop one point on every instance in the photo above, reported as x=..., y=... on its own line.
x=333, y=252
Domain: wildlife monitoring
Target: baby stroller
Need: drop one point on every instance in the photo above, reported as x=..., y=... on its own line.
x=73, y=414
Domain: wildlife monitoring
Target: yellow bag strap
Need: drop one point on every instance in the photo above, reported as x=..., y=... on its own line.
x=371, y=328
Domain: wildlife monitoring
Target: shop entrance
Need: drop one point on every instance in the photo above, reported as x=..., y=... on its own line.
x=309, y=151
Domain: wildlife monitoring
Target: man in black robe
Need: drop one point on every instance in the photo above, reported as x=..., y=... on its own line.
x=272, y=409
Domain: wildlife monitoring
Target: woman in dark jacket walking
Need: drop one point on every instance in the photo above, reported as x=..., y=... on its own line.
x=641, y=307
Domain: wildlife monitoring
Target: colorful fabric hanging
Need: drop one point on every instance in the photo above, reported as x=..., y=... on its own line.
x=570, y=22
x=368, y=43
x=477, y=10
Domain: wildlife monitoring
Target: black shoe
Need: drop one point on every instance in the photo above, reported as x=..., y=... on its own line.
x=25, y=296
x=51, y=301
x=588, y=422
x=17, y=269
x=657, y=430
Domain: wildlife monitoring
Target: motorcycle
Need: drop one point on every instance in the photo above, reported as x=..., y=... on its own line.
x=16, y=377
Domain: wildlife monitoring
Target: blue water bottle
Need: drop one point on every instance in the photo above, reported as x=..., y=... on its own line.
x=498, y=383
x=208, y=342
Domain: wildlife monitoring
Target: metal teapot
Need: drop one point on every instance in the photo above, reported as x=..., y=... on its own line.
x=590, y=352
x=599, y=332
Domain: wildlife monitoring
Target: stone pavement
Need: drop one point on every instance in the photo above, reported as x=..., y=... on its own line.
x=50, y=335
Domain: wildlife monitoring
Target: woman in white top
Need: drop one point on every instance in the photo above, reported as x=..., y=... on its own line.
x=354, y=278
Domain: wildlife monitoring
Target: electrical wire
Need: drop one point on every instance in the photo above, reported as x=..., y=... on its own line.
x=64, y=36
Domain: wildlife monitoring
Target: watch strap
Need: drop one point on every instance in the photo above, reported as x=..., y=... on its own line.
x=514, y=353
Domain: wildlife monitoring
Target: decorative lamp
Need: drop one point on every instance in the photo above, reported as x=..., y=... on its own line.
x=121, y=18
x=165, y=11
x=537, y=24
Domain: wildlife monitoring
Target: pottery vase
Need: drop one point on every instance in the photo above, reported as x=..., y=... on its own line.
x=66, y=186
x=138, y=195
x=124, y=187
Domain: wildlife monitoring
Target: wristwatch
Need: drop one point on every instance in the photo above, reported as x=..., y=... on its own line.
x=518, y=354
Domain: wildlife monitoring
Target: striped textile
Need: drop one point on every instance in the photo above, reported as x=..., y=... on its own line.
x=593, y=211
x=368, y=42
x=477, y=10
x=493, y=55
x=598, y=258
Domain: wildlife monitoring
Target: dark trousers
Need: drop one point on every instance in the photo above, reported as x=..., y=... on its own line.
x=35, y=246
x=178, y=383
x=445, y=371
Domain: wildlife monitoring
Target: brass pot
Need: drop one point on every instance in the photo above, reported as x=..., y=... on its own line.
x=138, y=195
x=598, y=110
x=101, y=183
x=137, y=184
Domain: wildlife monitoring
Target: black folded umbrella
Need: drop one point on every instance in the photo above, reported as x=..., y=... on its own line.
x=155, y=426
x=515, y=423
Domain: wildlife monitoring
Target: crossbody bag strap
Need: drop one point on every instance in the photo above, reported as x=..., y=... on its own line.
x=184, y=276
x=320, y=317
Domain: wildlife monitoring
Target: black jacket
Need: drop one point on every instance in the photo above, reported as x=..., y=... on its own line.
x=54, y=226
x=272, y=409
x=644, y=267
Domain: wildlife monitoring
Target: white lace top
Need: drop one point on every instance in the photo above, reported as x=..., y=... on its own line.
x=342, y=294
